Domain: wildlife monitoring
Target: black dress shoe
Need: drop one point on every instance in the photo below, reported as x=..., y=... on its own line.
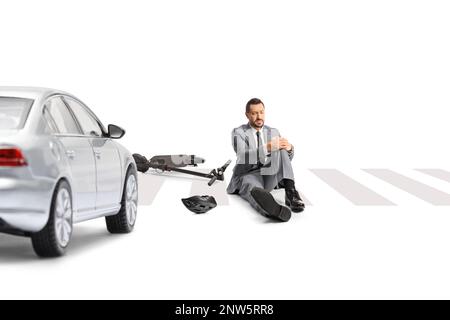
x=294, y=201
x=271, y=207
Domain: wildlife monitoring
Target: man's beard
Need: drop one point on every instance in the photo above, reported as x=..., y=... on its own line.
x=258, y=126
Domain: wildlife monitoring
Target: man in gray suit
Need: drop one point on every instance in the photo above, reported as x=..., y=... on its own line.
x=263, y=164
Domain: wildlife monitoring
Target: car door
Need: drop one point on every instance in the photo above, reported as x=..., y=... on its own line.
x=107, y=157
x=79, y=153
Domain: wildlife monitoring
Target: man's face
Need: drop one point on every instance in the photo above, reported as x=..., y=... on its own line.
x=255, y=115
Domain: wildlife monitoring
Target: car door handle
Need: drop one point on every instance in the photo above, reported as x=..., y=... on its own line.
x=70, y=154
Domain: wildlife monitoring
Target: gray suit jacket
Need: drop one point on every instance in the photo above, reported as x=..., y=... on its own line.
x=247, y=152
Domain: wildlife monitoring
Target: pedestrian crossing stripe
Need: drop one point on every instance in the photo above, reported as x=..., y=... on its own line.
x=356, y=192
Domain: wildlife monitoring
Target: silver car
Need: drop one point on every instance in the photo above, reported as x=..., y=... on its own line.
x=60, y=166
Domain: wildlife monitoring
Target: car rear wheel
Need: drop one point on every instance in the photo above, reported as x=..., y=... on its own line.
x=123, y=222
x=54, y=238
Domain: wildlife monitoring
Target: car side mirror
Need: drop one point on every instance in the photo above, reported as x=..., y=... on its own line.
x=115, y=132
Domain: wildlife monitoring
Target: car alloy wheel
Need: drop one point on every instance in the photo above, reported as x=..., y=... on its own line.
x=131, y=199
x=63, y=217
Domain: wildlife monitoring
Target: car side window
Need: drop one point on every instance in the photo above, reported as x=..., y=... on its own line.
x=62, y=117
x=88, y=123
x=49, y=123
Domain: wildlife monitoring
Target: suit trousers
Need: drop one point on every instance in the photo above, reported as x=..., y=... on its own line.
x=267, y=177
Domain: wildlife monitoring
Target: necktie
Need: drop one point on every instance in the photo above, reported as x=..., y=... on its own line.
x=260, y=151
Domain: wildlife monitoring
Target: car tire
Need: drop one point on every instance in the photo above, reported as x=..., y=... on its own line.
x=54, y=238
x=125, y=219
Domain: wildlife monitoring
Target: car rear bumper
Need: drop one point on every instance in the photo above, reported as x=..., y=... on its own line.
x=24, y=204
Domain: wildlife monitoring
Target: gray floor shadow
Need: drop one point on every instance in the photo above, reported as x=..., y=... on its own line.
x=16, y=249
x=19, y=249
x=258, y=217
x=87, y=237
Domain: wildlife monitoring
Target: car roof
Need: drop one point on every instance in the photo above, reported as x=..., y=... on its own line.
x=28, y=92
x=38, y=95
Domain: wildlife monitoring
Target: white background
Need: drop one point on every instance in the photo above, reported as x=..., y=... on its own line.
x=352, y=84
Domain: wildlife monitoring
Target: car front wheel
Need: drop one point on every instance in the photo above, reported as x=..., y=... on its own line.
x=124, y=220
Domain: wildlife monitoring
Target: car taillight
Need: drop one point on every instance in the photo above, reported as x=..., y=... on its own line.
x=12, y=157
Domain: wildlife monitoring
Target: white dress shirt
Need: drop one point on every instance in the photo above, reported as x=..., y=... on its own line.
x=263, y=139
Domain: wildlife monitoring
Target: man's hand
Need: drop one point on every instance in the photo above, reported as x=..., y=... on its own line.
x=284, y=144
x=273, y=145
x=278, y=143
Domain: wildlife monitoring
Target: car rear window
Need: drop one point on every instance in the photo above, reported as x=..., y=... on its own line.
x=14, y=112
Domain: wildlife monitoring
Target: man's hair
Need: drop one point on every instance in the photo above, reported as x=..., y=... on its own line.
x=253, y=102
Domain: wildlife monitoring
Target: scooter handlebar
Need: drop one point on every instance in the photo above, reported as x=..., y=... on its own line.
x=213, y=179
